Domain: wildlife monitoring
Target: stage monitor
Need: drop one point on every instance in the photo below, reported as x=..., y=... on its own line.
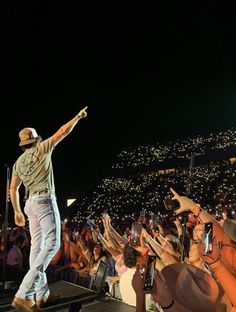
x=100, y=277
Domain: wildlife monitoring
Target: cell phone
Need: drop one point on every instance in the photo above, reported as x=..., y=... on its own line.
x=142, y=212
x=149, y=273
x=208, y=237
x=105, y=211
x=90, y=223
x=136, y=230
x=76, y=235
x=171, y=204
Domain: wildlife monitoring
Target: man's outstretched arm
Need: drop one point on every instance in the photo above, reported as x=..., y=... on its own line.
x=68, y=127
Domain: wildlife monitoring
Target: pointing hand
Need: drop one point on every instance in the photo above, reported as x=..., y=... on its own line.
x=83, y=113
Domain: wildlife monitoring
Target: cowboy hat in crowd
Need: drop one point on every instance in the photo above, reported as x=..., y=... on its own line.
x=192, y=289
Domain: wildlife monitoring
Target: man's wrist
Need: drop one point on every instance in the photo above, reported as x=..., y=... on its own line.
x=78, y=116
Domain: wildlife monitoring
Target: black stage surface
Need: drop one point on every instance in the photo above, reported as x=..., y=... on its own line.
x=72, y=298
x=107, y=306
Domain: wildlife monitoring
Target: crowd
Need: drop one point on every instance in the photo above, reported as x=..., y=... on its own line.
x=212, y=185
x=124, y=223
x=206, y=146
x=185, y=277
x=125, y=191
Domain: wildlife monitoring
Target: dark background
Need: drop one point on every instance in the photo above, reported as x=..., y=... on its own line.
x=147, y=73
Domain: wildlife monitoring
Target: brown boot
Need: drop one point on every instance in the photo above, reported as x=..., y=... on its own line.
x=25, y=305
x=49, y=300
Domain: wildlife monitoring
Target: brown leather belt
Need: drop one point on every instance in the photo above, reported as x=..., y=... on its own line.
x=39, y=192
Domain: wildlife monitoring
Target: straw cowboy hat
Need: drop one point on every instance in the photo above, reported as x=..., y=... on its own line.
x=229, y=227
x=192, y=289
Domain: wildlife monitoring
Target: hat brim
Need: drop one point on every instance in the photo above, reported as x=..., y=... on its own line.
x=27, y=142
x=186, y=291
x=229, y=227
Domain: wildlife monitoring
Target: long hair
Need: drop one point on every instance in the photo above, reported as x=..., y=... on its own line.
x=130, y=256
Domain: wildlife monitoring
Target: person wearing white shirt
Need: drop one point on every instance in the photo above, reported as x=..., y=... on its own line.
x=127, y=292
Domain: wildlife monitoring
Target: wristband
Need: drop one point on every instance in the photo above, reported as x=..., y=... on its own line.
x=169, y=306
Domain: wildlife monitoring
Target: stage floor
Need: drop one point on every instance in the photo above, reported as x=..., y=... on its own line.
x=107, y=306
x=71, y=296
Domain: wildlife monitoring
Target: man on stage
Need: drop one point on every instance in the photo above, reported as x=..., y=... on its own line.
x=34, y=169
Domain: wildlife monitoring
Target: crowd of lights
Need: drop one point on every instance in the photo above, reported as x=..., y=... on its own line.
x=178, y=149
x=212, y=185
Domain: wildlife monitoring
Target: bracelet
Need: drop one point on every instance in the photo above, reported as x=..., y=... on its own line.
x=215, y=261
x=169, y=306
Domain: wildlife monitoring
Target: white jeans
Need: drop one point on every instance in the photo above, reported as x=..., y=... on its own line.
x=45, y=232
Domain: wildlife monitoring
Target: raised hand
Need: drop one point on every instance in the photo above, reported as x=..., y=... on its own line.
x=186, y=204
x=83, y=113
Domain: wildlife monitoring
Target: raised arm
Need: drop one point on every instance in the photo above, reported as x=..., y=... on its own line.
x=220, y=271
x=114, y=252
x=167, y=245
x=164, y=255
x=68, y=127
x=108, y=233
x=186, y=204
x=153, y=243
x=84, y=248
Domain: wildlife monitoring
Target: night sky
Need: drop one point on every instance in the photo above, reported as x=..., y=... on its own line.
x=147, y=74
